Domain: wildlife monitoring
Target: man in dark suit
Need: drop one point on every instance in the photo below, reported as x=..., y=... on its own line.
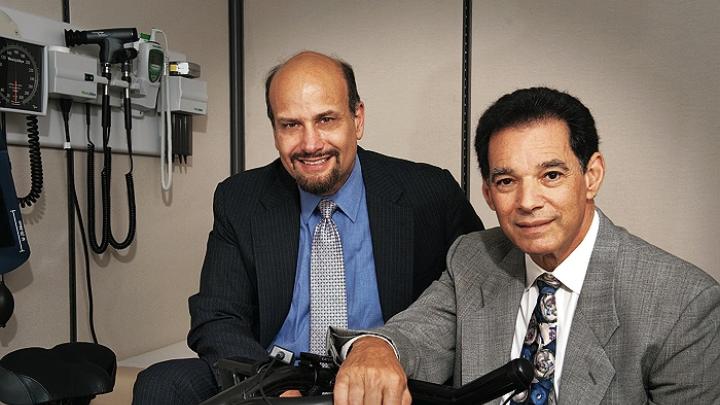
x=396, y=220
x=603, y=316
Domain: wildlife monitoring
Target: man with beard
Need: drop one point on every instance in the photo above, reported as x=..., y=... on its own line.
x=392, y=222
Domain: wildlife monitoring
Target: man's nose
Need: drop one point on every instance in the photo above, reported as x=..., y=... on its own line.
x=530, y=196
x=311, y=140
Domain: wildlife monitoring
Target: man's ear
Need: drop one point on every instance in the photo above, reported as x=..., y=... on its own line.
x=359, y=119
x=487, y=195
x=594, y=174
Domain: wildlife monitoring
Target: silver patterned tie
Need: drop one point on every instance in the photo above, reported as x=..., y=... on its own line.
x=539, y=345
x=328, y=306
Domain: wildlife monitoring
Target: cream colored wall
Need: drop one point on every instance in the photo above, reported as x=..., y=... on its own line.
x=140, y=294
x=648, y=71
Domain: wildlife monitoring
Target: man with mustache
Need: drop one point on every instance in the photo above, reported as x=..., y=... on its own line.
x=395, y=221
x=603, y=316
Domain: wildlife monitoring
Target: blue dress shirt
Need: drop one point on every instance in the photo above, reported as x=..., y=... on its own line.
x=363, y=300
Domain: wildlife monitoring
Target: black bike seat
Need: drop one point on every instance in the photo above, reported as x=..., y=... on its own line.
x=69, y=370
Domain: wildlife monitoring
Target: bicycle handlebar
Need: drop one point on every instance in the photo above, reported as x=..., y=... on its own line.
x=313, y=379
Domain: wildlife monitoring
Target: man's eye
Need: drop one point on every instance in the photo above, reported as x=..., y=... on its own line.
x=325, y=120
x=553, y=175
x=289, y=125
x=503, y=182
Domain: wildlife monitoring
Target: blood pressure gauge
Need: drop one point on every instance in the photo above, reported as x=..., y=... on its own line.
x=22, y=76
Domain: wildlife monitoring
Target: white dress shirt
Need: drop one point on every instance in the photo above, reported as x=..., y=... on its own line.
x=571, y=273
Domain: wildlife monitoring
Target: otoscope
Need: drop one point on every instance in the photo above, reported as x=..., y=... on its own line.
x=110, y=40
x=112, y=50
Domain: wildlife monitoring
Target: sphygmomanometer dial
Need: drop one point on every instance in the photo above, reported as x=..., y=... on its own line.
x=20, y=75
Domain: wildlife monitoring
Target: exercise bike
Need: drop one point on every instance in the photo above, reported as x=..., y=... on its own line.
x=248, y=383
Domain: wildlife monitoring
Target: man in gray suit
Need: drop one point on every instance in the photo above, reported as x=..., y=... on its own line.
x=604, y=316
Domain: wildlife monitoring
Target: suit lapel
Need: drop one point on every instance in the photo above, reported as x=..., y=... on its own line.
x=488, y=321
x=275, y=233
x=391, y=227
x=587, y=370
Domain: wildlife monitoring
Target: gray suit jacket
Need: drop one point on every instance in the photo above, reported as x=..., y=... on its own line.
x=646, y=327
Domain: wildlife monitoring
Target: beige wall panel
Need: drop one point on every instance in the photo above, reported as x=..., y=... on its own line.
x=47, y=9
x=141, y=293
x=648, y=70
x=407, y=60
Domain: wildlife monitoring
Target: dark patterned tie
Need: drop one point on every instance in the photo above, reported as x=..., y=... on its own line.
x=328, y=306
x=539, y=345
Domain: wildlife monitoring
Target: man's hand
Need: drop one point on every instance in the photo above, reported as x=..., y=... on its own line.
x=291, y=394
x=371, y=375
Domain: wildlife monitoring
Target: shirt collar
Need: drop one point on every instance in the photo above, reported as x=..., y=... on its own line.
x=347, y=198
x=571, y=272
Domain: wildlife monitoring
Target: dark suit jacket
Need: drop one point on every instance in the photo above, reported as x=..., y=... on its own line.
x=416, y=211
x=646, y=328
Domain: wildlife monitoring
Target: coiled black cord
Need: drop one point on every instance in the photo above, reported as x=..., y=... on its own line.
x=36, y=170
x=97, y=247
x=129, y=182
x=105, y=176
x=107, y=237
x=132, y=215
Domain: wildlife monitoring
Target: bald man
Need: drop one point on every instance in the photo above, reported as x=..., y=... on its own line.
x=395, y=220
